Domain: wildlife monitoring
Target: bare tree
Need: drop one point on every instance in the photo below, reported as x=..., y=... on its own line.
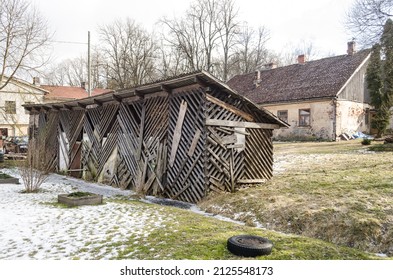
x=72, y=72
x=181, y=36
x=130, y=52
x=292, y=51
x=366, y=19
x=23, y=38
x=228, y=32
x=205, y=37
x=251, y=51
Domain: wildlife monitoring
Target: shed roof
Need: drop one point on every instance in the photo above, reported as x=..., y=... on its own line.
x=312, y=80
x=202, y=78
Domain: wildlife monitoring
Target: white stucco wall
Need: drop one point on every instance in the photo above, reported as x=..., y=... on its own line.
x=321, y=121
x=17, y=124
x=351, y=117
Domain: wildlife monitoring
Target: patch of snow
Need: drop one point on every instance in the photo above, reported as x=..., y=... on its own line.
x=32, y=227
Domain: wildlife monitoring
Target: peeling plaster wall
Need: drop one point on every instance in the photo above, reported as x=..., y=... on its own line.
x=321, y=121
x=351, y=117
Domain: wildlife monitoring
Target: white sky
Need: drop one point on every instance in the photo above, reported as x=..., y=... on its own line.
x=319, y=21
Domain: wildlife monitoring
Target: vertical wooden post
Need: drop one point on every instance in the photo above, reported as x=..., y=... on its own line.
x=231, y=164
x=177, y=132
x=141, y=129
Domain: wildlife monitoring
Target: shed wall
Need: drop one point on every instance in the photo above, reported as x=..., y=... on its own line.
x=161, y=144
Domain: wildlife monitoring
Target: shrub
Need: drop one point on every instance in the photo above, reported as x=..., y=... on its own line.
x=34, y=169
x=366, y=141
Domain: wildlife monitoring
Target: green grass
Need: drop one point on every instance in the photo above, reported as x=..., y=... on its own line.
x=4, y=176
x=195, y=237
x=382, y=148
x=341, y=194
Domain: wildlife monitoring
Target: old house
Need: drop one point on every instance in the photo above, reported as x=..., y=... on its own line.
x=320, y=99
x=14, y=120
x=178, y=138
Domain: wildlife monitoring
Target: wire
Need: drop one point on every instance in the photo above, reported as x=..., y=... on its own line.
x=68, y=42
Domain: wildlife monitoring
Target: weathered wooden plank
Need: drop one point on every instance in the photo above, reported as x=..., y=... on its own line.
x=236, y=146
x=177, y=132
x=216, y=165
x=212, y=153
x=217, y=184
x=251, y=181
x=194, y=143
x=230, y=108
x=231, y=163
x=216, y=122
x=141, y=128
x=229, y=139
x=181, y=191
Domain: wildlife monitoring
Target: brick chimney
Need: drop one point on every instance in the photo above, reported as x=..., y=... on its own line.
x=301, y=59
x=351, y=48
x=257, y=78
x=36, y=81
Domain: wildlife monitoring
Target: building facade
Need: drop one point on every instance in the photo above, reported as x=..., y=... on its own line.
x=320, y=100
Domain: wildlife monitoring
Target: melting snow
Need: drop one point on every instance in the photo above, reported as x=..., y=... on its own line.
x=33, y=228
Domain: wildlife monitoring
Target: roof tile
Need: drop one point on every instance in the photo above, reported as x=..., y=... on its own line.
x=315, y=79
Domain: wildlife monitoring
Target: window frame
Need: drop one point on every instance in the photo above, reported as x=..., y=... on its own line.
x=302, y=122
x=10, y=107
x=283, y=111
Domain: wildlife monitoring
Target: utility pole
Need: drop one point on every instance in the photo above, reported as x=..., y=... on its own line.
x=88, y=65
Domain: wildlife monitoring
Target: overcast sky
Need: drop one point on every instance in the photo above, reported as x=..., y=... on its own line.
x=319, y=21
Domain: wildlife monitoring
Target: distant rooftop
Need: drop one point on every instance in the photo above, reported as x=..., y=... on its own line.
x=65, y=93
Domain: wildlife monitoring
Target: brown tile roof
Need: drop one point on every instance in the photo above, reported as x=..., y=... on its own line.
x=314, y=79
x=64, y=93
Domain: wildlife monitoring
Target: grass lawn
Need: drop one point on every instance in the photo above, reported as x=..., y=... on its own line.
x=193, y=236
x=338, y=192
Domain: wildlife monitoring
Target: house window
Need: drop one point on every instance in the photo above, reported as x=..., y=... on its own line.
x=304, y=117
x=10, y=107
x=283, y=115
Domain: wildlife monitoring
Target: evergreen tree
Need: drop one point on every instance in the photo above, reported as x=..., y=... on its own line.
x=379, y=77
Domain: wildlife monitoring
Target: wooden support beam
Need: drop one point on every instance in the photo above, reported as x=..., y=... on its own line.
x=138, y=93
x=68, y=107
x=198, y=80
x=231, y=167
x=99, y=103
x=57, y=107
x=166, y=88
x=82, y=105
x=215, y=122
x=230, y=108
x=141, y=129
x=177, y=132
x=194, y=143
x=117, y=98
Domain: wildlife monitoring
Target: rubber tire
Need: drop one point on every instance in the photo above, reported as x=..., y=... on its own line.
x=249, y=245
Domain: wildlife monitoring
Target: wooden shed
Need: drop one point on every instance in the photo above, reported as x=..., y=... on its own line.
x=178, y=138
